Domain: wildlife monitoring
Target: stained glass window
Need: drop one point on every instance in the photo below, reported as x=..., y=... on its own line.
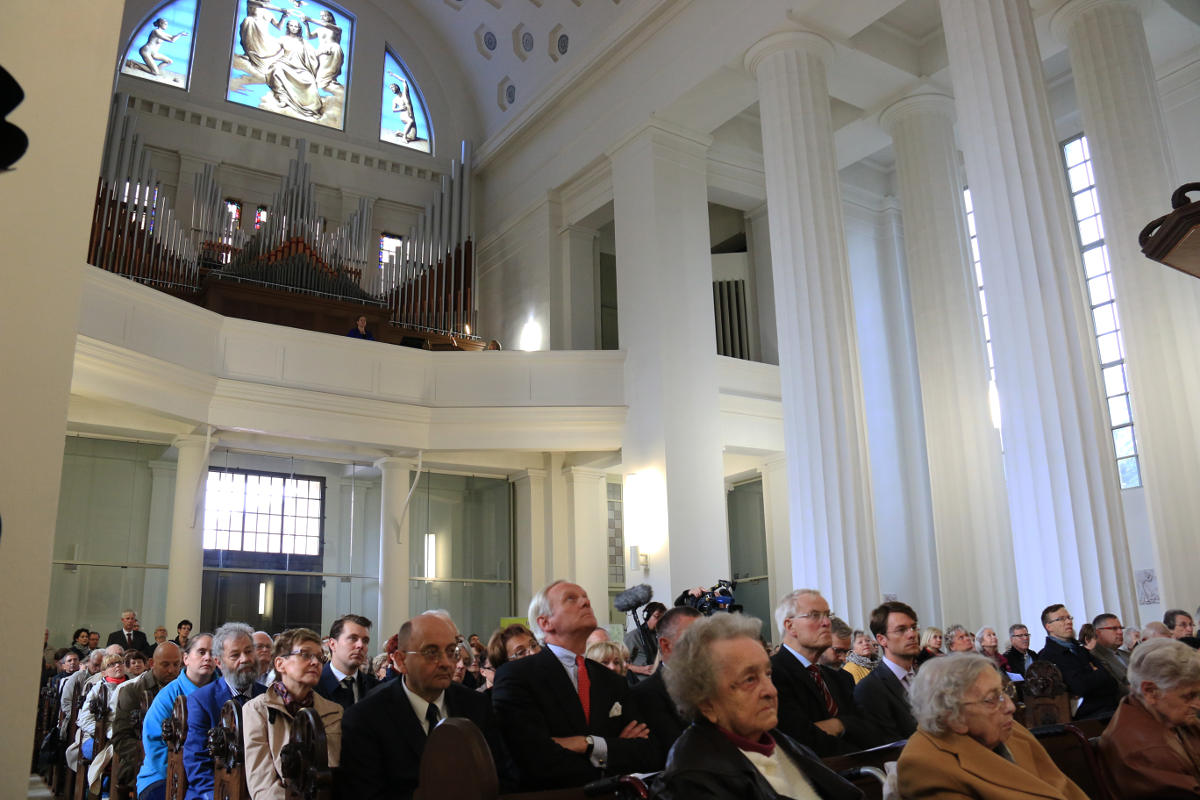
x=404, y=117
x=260, y=216
x=292, y=58
x=160, y=49
x=233, y=213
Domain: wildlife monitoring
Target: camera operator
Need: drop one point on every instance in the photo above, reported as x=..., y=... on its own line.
x=642, y=643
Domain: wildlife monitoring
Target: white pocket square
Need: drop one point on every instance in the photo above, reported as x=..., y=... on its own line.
x=615, y=711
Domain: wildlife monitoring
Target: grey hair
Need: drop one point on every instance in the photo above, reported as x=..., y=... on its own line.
x=787, y=606
x=125, y=611
x=937, y=692
x=228, y=631
x=1167, y=663
x=979, y=638
x=691, y=675
x=539, y=606
x=951, y=632
x=1155, y=630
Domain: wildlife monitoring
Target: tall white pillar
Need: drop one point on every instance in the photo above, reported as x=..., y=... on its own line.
x=532, y=536
x=829, y=485
x=394, y=545
x=1064, y=503
x=580, y=257
x=758, y=239
x=1159, y=307
x=672, y=453
x=587, y=526
x=158, y=543
x=185, y=563
x=779, y=533
x=966, y=474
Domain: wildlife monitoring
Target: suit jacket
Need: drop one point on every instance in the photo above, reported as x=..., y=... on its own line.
x=801, y=704
x=204, y=712
x=884, y=705
x=1147, y=760
x=659, y=712
x=535, y=700
x=382, y=742
x=955, y=765
x=705, y=765
x=127, y=722
x=267, y=727
x=1085, y=677
x=331, y=689
x=139, y=642
x=1016, y=661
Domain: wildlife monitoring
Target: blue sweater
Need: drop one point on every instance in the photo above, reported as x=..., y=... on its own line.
x=154, y=766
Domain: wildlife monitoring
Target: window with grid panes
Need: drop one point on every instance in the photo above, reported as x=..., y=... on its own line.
x=263, y=513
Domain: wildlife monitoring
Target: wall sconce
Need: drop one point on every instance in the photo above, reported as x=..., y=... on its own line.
x=638, y=560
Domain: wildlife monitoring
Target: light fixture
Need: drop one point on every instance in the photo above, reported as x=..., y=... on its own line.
x=262, y=598
x=531, y=336
x=430, y=555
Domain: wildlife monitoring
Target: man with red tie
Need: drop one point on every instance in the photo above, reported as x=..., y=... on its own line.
x=567, y=720
x=129, y=636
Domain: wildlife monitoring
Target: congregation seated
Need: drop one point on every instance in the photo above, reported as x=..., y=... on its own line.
x=267, y=719
x=199, y=666
x=97, y=711
x=720, y=678
x=610, y=654
x=1151, y=747
x=128, y=712
x=931, y=644
x=345, y=678
x=1018, y=655
x=987, y=642
x=967, y=744
x=1086, y=679
x=659, y=711
x=861, y=659
x=128, y=636
x=882, y=696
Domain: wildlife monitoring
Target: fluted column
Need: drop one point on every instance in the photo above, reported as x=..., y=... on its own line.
x=587, y=533
x=185, y=563
x=581, y=310
x=395, y=543
x=1160, y=307
x=966, y=474
x=1068, y=530
x=829, y=486
x=531, y=534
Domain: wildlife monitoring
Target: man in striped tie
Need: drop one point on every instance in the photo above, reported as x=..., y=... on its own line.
x=567, y=720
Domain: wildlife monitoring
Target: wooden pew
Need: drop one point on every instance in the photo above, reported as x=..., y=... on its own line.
x=1045, y=696
x=64, y=779
x=854, y=767
x=100, y=712
x=225, y=745
x=305, y=759
x=174, y=730
x=1072, y=751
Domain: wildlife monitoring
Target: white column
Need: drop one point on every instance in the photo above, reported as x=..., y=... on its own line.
x=1064, y=504
x=778, y=530
x=158, y=544
x=671, y=450
x=185, y=564
x=966, y=474
x=1159, y=307
x=394, y=545
x=534, y=563
x=580, y=253
x=758, y=237
x=587, y=526
x=829, y=485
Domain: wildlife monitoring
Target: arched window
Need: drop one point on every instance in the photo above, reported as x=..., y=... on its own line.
x=160, y=49
x=292, y=58
x=404, y=117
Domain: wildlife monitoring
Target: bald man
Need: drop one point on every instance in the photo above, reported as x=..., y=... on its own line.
x=384, y=734
x=133, y=698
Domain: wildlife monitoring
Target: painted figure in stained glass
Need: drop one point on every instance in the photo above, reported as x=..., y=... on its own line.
x=329, y=48
x=160, y=49
x=150, y=51
x=402, y=108
x=403, y=116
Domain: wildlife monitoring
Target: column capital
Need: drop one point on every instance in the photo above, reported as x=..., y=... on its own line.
x=1064, y=18
x=393, y=462
x=578, y=230
x=189, y=441
x=527, y=475
x=922, y=101
x=666, y=134
x=574, y=473
x=783, y=41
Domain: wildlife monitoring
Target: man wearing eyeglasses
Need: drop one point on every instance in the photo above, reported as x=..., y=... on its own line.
x=1110, y=633
x=882, y=696
x=816, y=703
x=1018, y=655
x=384, y=734
x=1086, y=679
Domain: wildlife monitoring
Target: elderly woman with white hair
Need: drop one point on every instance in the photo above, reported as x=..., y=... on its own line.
x=720, y=678
x=1152, y=744
x=967, y=743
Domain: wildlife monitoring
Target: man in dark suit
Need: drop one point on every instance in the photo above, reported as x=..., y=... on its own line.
x=234, y=643
x=816, y=703
x=1085, y=677
x=1018, y=655
x=657, y=707
x=384, y=734
x=129, y=636
x=882, y=696
x=567, y=720
x=344, y=680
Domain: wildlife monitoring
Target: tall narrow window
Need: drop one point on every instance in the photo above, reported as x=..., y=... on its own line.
x=1110, y=347
x=976, y=265
x=160, y=49
x=389, y=248
x=233, y=213
x=260, y=216
x=404, y=117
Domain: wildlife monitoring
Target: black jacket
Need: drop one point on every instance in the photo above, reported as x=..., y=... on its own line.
x=659, y=712
x=1016, y=661
x=1085, y=677
x=801, y=704
x=329, y=687
x=884, y=704
x=705, y=765
x=139, y=642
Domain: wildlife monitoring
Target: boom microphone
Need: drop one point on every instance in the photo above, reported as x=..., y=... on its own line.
x=633, y=597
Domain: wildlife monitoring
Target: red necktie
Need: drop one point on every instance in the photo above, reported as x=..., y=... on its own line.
x=585, y=688
x=830, y=703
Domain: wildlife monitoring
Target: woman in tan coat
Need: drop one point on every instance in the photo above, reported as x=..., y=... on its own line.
x=967, y=744
x=267, y=719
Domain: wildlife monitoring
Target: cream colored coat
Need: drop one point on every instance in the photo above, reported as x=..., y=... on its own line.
x=263, y=739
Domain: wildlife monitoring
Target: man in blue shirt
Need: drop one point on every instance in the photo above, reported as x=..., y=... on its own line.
x=198, y=665
x=233, y=643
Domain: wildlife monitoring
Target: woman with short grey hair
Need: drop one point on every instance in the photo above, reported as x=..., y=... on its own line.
x=1152, y=746
x=967, y=743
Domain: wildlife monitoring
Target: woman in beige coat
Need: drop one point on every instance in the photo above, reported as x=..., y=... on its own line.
x=267, y=719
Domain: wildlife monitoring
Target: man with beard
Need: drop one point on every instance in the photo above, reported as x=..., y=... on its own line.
x=233, y=643
x=882, y=696
x=344, y=681
x=198, y=666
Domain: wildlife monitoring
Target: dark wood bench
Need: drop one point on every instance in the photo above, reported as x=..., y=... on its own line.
x=174, y=731
x=1072, y=748
x=229, y=763
x=305, y=759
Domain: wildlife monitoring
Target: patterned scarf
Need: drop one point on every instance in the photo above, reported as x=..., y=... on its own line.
x=291, y=705
x=862, y=661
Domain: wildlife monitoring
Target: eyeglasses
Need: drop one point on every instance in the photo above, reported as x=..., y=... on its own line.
x=1067, y=618
x=1020, y=636
x=996, y=699
x=819, y=616
x=905, y=629
x=521, y=652
x=1111, y=628
x=841, y=651
x=435, y=654
x=309, y=656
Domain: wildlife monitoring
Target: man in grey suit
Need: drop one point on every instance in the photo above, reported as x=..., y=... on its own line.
x=882, y=696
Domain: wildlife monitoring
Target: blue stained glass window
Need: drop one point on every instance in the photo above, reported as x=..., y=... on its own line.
x=160, y=49
x=404, y=117
x=292, y=57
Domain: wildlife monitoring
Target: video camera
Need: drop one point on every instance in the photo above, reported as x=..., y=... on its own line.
x=718, y=598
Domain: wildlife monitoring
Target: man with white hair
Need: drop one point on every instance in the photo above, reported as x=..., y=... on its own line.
x=129, y=637
x=567, y=720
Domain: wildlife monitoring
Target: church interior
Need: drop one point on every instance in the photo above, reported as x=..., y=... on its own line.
x=796, y=293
